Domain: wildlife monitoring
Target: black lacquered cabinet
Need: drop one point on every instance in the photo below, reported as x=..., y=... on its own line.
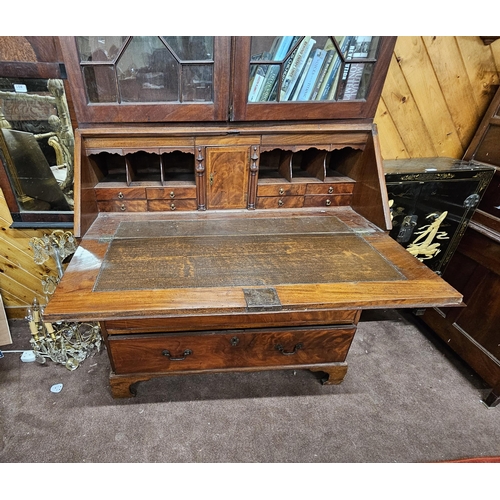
x=432, y=201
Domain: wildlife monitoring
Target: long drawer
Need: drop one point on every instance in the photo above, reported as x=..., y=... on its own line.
x=231, y=349
x=245, y=321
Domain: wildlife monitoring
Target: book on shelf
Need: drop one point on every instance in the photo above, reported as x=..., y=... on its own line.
x=317, y=59
x=298, y=63
x=288, y=62
x=332, y=65
x=303, y=75
x=281, y=47
x=257, y=81
x=333, y=76
x=321, y=80
x=353, y=72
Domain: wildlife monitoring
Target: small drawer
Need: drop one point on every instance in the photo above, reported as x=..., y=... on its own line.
x=171, y=205
x=280, y=202
x=327, y=201
x=171, y=193
x=281, y=189
x=123, y=206
x=330, y=188
x=122, y=193
x=231, y=349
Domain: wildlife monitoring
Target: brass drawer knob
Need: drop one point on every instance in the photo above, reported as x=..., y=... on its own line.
x=123, y=207
x=330, y=190
x=281, y=192
x=328, y=203
x=120, y=195
x=280, y=203
x=172, y=206
x=172, y=194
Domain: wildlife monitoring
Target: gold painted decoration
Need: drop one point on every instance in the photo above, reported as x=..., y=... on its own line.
x=424, y=247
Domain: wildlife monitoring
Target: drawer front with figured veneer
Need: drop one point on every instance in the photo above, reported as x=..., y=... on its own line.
x=171, y=193
x=171, y=205
x=327, y=201
x=280, y=201
x=119, y=193
x=232, y=349
x=123, y=206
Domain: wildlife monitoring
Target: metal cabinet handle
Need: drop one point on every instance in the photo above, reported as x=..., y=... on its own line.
x=120, y=195
x=172, y=194
x=186, y=353
x=296, y=348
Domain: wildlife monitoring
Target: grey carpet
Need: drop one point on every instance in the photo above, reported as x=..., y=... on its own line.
x=406, y=398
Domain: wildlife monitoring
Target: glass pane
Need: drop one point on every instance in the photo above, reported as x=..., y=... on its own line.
x=312, y=68
x=197, y=83
x=147, y=71
x=265, y=78
x=355, y=79
x=191, y=48
x=307, y=69
x=99, y=48
x=100, y=82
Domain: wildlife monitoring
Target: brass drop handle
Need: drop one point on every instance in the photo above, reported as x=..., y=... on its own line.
x=328, y=203
x=330, y=190
x=120, y=195
x=172, y=206
x=172, y=194
x=282, y=191
x=296, y=348
x=122, y=207
x=280, y=203
x=185, y=354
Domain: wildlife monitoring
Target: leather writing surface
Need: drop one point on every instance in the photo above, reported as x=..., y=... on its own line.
x=207, y=260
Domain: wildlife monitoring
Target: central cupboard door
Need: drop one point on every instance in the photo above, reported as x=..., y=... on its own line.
x=228, y=171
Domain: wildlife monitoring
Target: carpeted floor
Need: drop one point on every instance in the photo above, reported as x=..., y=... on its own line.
x=406, y=398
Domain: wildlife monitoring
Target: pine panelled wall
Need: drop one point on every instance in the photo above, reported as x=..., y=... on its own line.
x=435, y=94
x=20, y=277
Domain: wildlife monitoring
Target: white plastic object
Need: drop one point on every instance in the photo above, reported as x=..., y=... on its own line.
x=28, y=356
x=56, y=388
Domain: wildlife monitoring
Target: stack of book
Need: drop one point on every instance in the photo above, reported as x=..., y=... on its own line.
x=307, y=72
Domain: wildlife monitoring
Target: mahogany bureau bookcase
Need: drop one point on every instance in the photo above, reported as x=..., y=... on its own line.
x=230, y=203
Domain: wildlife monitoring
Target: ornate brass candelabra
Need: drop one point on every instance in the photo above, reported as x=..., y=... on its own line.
x=62, y=342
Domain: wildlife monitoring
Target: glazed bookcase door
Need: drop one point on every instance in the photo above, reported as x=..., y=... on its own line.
x=148, y=79
x=318, y=77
